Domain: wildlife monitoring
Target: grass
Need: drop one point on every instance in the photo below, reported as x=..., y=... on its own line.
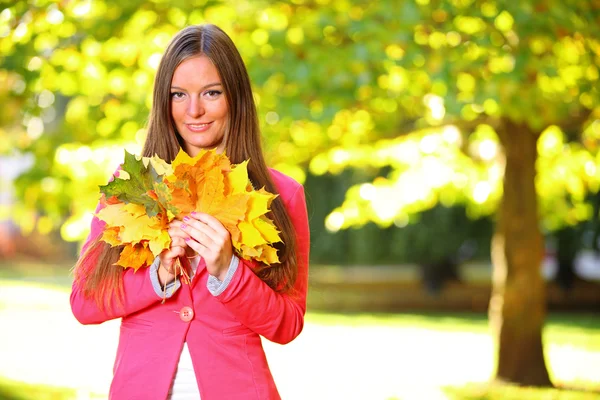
x=572, y=342
x=513, y=392
x=573, y=329
x=11, y=390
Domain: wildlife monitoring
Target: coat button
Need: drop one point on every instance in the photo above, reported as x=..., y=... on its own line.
x=186, y=314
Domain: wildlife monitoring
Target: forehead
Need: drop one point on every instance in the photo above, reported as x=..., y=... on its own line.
x=195, y=71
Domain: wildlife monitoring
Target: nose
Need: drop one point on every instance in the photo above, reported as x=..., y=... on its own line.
x=195, y=107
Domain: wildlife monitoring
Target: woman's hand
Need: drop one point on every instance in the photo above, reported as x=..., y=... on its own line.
x=166, y=270
x=209, y=238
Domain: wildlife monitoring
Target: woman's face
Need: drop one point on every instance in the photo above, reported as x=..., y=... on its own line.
x=198, y=105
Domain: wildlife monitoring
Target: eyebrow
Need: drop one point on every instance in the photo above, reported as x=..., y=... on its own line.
x=204, y=87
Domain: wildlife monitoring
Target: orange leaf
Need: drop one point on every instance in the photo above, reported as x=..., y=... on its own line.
x=210, y=193
x=135, y=256
x=232, y=209
x=111, y=236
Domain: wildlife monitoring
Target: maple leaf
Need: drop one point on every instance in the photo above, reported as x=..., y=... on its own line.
x=237, y=179
x=260, y=201
x=267, y=229
x=250, y=235
x=164, y=196
x=135, y=256
x=129, y=224
x=268, y=255
x=182, y=200
x=247, y=251
x=133, y=183
x=232, y=209
x=148, y=193
x=111, y=236
x=159, y=166
x=182, y=162
x=236, y=235
x=210, y=193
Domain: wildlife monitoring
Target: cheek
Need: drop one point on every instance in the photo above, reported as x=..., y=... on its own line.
x=221, y=110
x=177, y=111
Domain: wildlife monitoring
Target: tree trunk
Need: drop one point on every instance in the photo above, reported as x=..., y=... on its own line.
x=518, y=303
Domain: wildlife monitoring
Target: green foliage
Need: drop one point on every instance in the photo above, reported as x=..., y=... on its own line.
x=134, y=188
x=416, y=87
x=409, y=240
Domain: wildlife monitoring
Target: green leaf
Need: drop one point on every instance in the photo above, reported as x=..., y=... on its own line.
x=137, y=188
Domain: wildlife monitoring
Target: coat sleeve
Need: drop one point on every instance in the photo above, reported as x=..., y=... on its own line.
x=138, y=290
x=277, y=317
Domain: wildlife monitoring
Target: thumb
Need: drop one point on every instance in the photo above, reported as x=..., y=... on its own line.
x=168, y=257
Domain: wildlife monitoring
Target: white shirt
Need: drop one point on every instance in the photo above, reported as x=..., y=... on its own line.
x=184, y=385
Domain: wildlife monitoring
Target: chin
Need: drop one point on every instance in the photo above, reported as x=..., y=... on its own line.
x=195, y=147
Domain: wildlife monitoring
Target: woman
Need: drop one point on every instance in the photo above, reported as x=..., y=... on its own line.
x=203, y=341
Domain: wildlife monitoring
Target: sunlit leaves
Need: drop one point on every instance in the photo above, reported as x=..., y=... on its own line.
x=335, y=84
x=208, y=183
x=148, y=193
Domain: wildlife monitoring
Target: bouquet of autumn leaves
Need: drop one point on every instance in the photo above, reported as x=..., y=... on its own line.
x=148, y=193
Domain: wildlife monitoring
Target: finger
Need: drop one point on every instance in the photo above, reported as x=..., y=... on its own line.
x=197, y=247
x=219, y=235
x=200, y=232
x=211, y=221
x=168, y=257
x=175, y=223
x=178, y=241
x=177, y=232
x=176, y=251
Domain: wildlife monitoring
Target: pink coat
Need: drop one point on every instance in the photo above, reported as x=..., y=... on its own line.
x=223, y=333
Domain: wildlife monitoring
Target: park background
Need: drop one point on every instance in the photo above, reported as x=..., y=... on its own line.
x=450, y=155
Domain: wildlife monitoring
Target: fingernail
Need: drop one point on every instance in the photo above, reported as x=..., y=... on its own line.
x=183, y=226
x=188, y=239
x=186, y=218
x=194, y=213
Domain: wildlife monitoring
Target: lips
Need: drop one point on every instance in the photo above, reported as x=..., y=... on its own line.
x=198, y=127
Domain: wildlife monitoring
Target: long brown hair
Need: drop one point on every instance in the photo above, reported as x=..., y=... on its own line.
x=242, y=142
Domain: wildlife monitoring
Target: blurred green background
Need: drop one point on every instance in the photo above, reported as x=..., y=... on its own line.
x=400, y=118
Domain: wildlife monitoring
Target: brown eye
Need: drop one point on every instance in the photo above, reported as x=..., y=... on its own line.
x=213, y=93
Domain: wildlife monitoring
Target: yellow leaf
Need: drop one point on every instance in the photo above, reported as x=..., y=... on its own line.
x=268, y=255
x=206, y=183
x=259, y=203
x=134, y=226
x=113, y=214
x=210, y=159
x=160, y=242
x=160, y=166
x=248, y=252
x=237, y=179
x=267, y=229
x=181, y=162
x=250, y=235
x=136, y=210
x=170, y=215
x=111, y=236
x=135, y=256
